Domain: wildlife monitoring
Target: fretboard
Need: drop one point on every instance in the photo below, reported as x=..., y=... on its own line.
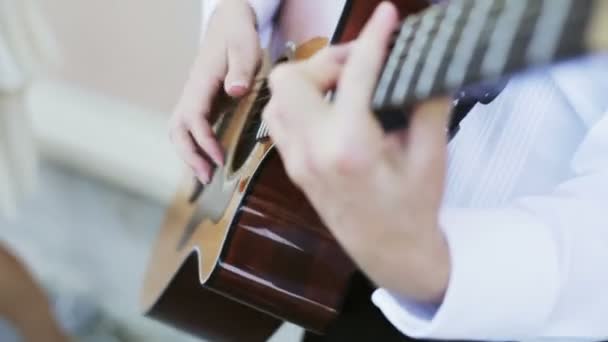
x=465, y=42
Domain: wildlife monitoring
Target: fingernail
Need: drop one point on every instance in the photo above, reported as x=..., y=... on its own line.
x=238, y=87
x=220, y=159
x=383, y=8
x=204, y=178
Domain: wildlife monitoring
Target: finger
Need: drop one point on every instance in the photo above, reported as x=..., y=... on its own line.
x=205, y=81
x=427, y=137
x=298, y=107
x=304, y=84
x=288, y=146
x=325, y=67
x=311, y=78
x=243, y=59
x=271, y=117
x=298, y=104
x=206, y=140
x=196, y=103
x=365, y=62
x=187, y=152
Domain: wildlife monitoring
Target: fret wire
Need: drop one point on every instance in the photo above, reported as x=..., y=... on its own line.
x=519, y=36
x=516, y=56
x=473, y=68
x=435, y=30
x=549, y=29
x=573, y=47
x=455, y=13
x=469, y=40
x=390, y=69
x=582, y=11
x=407, y=52
x=408, y=68
x=503, y=37
x=494, y=12
x=538, y=21
x=426, y=50
x=548, y=20
x=530, y=16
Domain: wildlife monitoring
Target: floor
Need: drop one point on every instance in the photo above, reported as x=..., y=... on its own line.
x=88, y=243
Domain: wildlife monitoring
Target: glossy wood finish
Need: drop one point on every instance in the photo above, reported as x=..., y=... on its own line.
x=358, y=11
x=197, y=309
x=266, y=257
x=280, y=257
x=175, y=288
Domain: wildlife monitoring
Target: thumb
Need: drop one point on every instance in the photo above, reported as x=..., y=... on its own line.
x=243, y=59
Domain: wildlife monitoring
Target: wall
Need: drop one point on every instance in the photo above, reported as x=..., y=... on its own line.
x=103, y=110
x=136, y=50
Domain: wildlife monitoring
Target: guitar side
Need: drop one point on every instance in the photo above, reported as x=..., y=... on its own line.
x=280, y=257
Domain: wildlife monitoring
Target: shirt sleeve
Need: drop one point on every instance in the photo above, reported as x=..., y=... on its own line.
x=264, y=11
x=533, y=269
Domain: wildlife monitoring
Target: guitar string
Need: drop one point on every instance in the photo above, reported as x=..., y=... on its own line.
x=530, y=17
x=521, y=40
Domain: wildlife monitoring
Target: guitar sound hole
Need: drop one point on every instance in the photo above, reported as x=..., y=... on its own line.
x=248, y=139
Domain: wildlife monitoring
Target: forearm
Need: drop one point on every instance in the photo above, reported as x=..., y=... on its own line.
x=526, y=270
x=264, y=12
x=412, y=265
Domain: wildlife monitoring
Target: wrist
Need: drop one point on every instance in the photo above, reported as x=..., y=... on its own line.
x=433, y=265
x=252, y=16
x=238, y=7
x=422, y=268
x=253, y=13
x=416, y=264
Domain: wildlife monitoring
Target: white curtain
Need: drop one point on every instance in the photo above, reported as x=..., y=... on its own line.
x=26, y=49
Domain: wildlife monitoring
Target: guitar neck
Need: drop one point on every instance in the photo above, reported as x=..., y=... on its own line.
x=449, y=47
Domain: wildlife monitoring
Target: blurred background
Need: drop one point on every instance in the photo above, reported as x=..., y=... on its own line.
x=91, y=84
x=98, y=80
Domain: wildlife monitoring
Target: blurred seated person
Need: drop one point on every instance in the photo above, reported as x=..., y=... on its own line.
x=23, y=303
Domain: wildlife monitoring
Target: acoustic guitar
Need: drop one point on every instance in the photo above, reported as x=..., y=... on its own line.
x=240, y=256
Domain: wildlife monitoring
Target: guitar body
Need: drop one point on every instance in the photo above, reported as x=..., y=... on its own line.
x=249, y=251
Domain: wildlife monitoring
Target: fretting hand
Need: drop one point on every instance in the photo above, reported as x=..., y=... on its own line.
x=379, y=194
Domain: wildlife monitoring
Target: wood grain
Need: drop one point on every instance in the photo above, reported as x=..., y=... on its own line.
x=280, y=257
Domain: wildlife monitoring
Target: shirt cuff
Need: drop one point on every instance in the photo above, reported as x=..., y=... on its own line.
x=503, y=284
x=264, y=11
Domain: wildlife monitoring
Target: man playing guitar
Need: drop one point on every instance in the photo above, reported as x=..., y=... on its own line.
x=498, y=235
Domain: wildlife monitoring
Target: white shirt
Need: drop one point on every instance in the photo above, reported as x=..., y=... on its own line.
x=525, y=214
